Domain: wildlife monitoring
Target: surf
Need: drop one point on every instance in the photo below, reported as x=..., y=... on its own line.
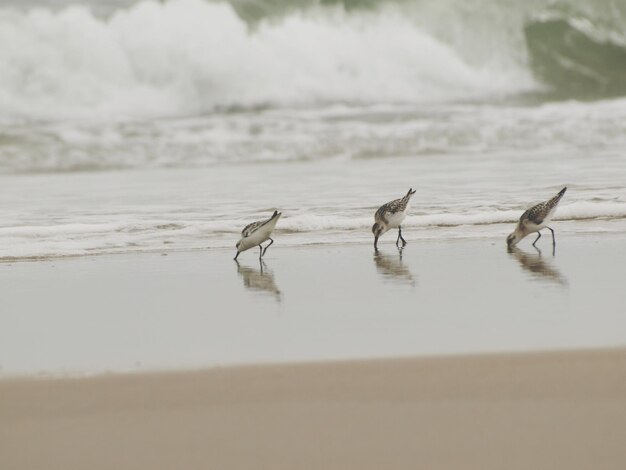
x=188, y=57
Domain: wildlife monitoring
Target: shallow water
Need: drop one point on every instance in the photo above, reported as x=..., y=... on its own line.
x=328, y=201
x=188, y=310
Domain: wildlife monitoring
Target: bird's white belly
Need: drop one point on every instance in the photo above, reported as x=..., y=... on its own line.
x=257, y=237
x=395, y=220
x=531, y=227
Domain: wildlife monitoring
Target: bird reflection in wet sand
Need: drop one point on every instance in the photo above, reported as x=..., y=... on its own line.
x=259, y=280
x=537, y=266
x=391, y=267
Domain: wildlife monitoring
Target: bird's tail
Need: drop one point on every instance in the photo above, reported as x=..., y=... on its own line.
x=555, y=200
x=407, y=198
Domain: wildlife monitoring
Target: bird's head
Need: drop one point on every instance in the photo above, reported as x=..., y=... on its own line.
x=513, y=239
x=376, y=229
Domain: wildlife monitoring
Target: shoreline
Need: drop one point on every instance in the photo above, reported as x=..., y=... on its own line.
x=245, y=366
x=362, y=237
x=482, y=411
x=387, y=242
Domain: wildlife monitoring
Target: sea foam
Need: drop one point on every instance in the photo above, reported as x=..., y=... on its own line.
x=160, y=235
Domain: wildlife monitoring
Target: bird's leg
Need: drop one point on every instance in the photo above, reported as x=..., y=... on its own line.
x=538, y=237
x=400, y=237
x=260, y=251
x=265, y=249
x=237, y=255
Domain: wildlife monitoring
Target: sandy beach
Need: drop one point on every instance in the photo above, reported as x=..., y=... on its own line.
x=540, y=411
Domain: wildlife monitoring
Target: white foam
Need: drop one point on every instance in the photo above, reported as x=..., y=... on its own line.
x=75, y=239
x=580, y=210
x=189, y=56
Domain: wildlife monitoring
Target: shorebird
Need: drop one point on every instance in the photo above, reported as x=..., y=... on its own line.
x=256, y=233
x=390, y=216
x=534, y=220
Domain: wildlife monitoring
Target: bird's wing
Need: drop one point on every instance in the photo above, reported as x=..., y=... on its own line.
x=390, y=208
x=536, y=214
x=251, y=228
x=254, y=226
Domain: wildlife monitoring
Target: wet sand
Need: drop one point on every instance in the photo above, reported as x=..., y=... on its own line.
x=540, y=411
x=200, y=309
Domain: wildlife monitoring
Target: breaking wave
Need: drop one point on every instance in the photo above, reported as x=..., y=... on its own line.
x=184, y=57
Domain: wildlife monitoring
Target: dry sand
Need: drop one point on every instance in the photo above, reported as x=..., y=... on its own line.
x=530, y=411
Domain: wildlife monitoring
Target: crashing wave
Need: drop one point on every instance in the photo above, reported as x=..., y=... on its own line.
x=575, y=58
x=184, y=57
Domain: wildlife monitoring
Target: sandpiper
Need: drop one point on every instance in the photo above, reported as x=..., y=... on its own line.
x=256, y=233
x=390, y=216
x=535, y=219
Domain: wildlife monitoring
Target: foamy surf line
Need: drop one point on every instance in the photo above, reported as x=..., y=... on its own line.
x=70, y=240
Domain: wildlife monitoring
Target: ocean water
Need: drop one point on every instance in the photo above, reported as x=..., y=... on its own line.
x=156, y=126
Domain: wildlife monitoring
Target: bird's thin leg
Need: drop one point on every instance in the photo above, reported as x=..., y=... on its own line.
x=237, y=255
x=265, y=249
x=260, y=252
x=401, y=237
x=538, y=237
